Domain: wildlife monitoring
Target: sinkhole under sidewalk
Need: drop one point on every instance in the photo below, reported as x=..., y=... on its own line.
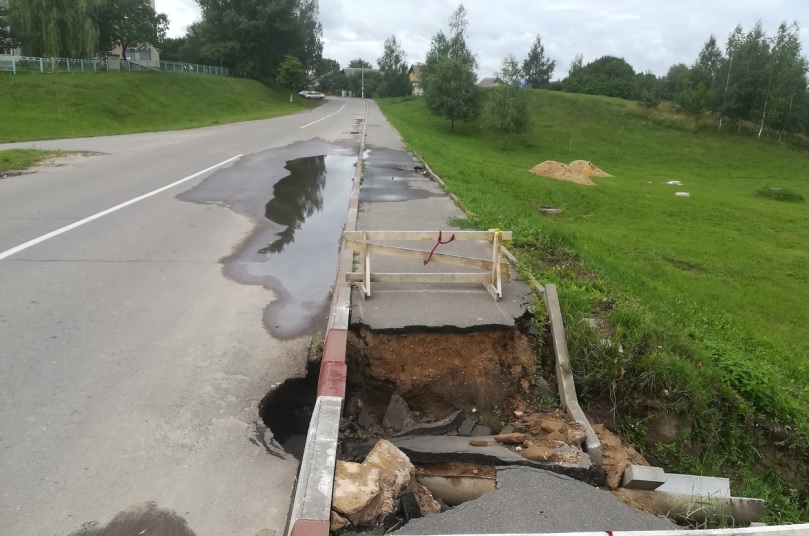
x=478, y=378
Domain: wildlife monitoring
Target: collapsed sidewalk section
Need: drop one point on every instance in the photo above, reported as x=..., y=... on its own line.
x=429, y=388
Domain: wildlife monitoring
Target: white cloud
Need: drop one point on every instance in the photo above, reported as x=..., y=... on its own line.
x=650, y=35
x=181, y=14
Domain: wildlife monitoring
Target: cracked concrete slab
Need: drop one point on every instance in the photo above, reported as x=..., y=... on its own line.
x=530, y=501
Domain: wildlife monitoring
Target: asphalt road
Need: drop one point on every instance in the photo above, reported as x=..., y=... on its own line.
x=136, y=346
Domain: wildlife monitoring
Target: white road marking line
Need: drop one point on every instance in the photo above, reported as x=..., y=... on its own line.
x=322, y=118
x=79, y=223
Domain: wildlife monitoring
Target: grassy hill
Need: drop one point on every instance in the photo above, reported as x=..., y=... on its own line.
x=703, y=297
x=38, y=107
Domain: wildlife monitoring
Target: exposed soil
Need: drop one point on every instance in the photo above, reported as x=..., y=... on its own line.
x=435, y=372
x=575, y=172
x=617, y=455
x=494, y=372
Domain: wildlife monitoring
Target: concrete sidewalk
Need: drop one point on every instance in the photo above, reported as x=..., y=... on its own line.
x=394, y=196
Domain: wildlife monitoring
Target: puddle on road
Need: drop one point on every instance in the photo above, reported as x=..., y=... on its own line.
x=300, y=261
x=299, y=203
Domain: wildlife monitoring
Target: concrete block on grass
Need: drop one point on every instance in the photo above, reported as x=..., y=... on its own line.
x=643, y=477
x=696, y=486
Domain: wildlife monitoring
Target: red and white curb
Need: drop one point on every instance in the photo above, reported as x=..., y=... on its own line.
x=311, y=509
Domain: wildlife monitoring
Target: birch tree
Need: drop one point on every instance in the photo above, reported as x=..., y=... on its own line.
x=393, y=69
x=507, y=111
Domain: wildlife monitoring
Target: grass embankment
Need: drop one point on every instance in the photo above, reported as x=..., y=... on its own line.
x=19, y=159
x=53, y=106
x=704, y=298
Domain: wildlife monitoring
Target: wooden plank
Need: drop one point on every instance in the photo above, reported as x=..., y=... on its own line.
x=441, y=258
x=357, y=277
x=366, y=280
x=423, y=235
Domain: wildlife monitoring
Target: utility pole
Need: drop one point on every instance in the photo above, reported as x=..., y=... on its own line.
x=362, y=70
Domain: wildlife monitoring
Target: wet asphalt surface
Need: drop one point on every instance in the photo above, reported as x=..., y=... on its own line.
x=137, y=347
x=298, y=204
x=390, y=175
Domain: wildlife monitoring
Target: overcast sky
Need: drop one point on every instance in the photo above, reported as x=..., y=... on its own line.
x=649, y=34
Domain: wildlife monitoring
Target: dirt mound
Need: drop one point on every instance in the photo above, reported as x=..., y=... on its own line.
x=580, y=166
x=575, y=172
x=617, y=455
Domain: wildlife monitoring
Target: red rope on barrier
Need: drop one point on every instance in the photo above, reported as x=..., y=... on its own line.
x=439, y=243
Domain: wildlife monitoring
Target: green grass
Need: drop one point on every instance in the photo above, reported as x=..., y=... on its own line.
x=53, y=106
x=18, y=159
x=705, y=295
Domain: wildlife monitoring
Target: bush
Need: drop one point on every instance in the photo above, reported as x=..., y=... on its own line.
x=780, y=194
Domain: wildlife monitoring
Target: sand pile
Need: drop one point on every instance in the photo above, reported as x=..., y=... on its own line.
x=580, y=166
x=576, y=171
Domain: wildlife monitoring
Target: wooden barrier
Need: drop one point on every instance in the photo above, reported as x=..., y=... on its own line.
x=366, y=243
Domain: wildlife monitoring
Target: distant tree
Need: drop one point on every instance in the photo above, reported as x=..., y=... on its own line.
x=576, y=65
x=129, y=24
x=334, y=81
x=366, y=83
x=510, y=73
x=359, y=63
x=449, y=79
x=171, y=48
x=538, y=68
x=724, y=102
x=252, y=37
x=649, y=99
x=693, y=100
x=786, y=77
x=647, y=89
x=750, y=82
x=706, y=69
x=453, y=92
x=291, y=75
x=608, y=75
x=393, y=70
x=311, y=34
x=326, y=65
x=507, y=111
x=458, y=48
x=185, y=49
x=674, y=79
x=7, y=41
x=61, y=28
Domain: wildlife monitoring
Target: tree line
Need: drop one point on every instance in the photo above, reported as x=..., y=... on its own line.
x=80, y=28
x=250, y=37
x=449, y=80
x=755, y=78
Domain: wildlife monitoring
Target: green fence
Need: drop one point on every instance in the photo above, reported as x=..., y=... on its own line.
x=24, y=64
